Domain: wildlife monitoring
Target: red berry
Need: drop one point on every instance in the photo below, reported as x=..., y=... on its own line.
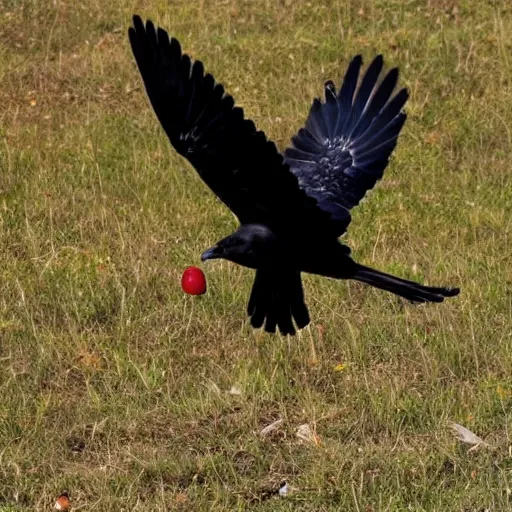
x=193, y=281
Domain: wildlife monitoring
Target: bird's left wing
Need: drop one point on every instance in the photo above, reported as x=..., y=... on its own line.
x=235, y=160
x=346, y=143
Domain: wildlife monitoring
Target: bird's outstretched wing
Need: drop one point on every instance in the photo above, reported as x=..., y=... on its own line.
x=346, y=143
x=236, y=161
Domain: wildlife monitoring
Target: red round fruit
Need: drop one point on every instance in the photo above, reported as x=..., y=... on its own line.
x=193, y=281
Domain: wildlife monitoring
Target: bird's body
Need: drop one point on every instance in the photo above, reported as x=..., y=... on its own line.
x=294, y=207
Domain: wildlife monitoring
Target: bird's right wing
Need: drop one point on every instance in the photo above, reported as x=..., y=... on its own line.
x=346, y=143
x=235, y=160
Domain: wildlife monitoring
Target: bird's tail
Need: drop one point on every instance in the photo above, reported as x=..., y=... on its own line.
x=276, y=300
x=408, y=289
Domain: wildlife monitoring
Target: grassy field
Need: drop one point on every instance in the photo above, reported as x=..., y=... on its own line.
x=132, y=396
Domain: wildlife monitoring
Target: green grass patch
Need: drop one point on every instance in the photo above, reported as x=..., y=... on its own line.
x=132, y=396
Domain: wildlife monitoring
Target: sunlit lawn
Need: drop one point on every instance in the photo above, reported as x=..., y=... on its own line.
x=132, y=396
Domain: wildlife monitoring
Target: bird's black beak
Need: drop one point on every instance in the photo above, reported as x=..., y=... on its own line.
x=211, y=253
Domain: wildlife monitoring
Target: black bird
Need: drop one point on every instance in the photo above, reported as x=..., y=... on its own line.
x=293, y=208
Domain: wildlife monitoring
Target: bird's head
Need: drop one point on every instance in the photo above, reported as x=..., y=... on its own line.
x=251, y=246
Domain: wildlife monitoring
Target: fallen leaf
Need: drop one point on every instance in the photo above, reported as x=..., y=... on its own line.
x=235, y=391
x=89, y=359
x=269, y=428
x=284, y=489
x=306, y=433
x=502, y=392
x=432, y=138
x=181, y=498
x=63, y=502
x=468, y=437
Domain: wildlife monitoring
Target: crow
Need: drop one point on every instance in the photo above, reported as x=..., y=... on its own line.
x=292, y=208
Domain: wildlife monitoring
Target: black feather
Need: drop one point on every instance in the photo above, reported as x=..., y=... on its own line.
x=330, y=111
x=346, y=93
x=387, y=114
x=363, y=93
x=338, y=162
x=403, y=287
x=277, y=299
x=377, y=102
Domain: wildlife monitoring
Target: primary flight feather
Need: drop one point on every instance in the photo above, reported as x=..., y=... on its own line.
x=293, y=208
